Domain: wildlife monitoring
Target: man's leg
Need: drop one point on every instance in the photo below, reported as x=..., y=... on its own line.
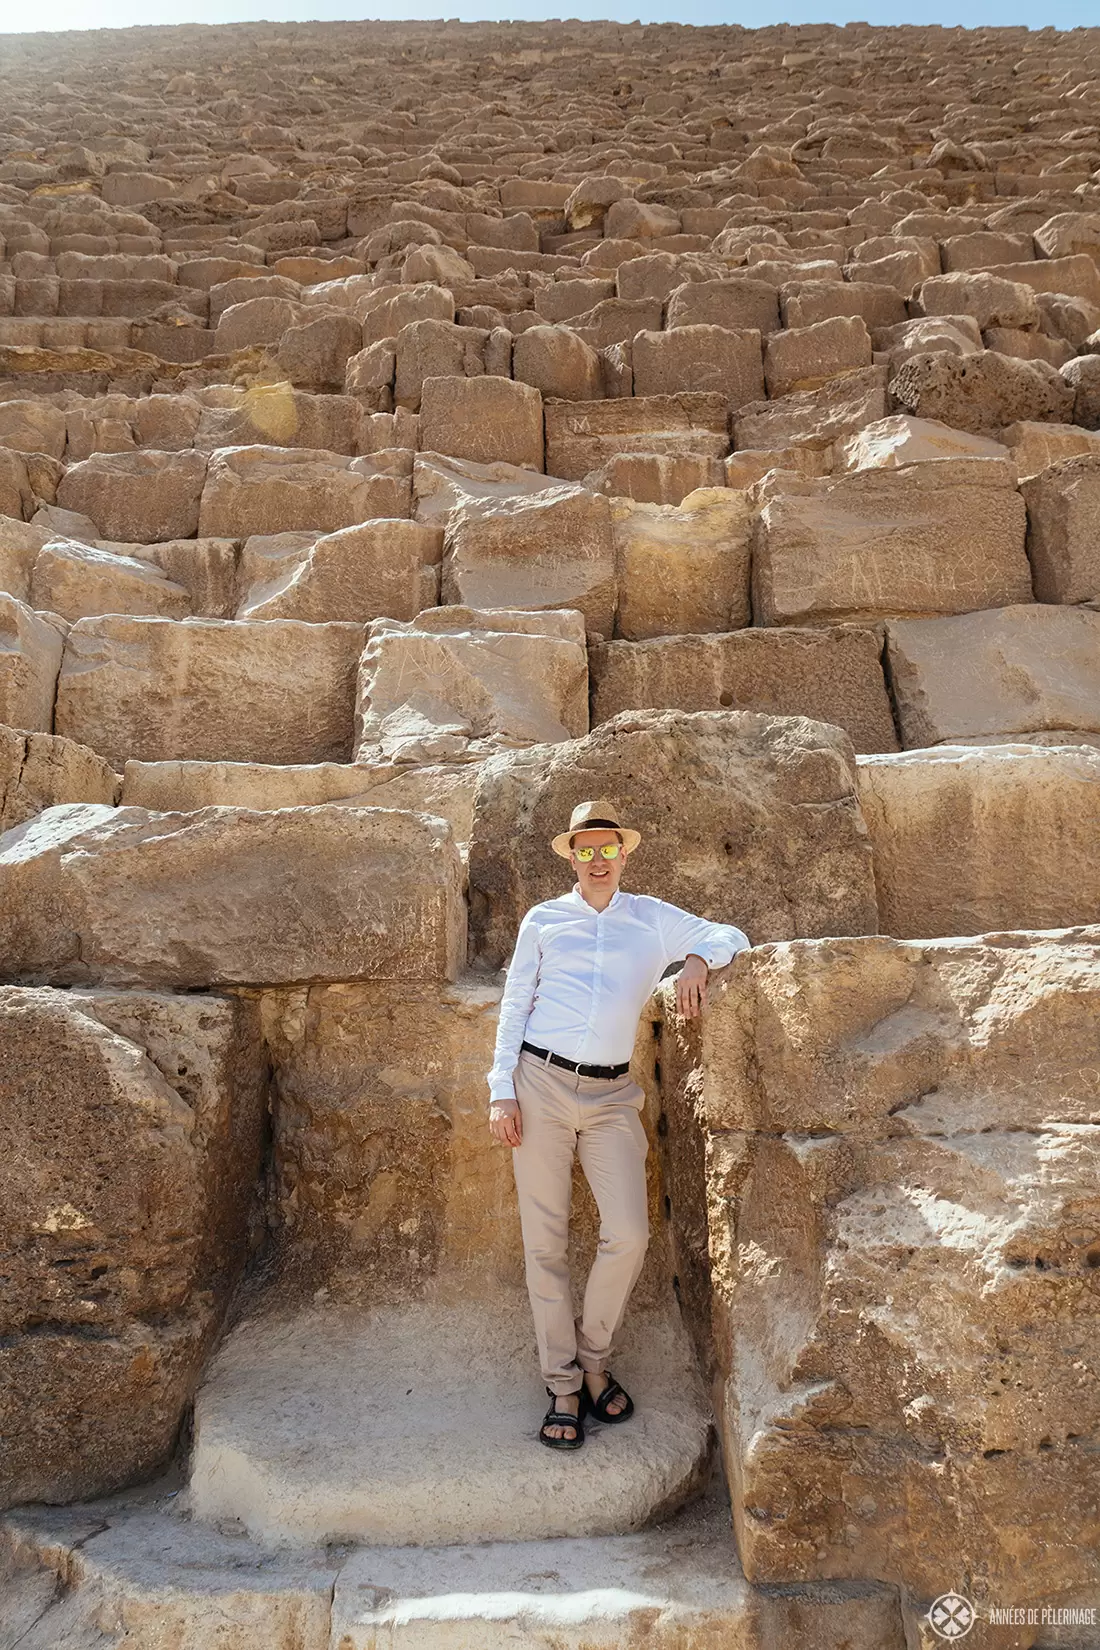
x=612, y=1146
x=543, y=1167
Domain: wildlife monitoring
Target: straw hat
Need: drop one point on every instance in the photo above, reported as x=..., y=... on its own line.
x=591, y=816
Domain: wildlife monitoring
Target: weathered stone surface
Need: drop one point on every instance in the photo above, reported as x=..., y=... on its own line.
x=736, y=304
x=78, y=580
x=972, y=840
x=209, y=689
x=556, y=362
x=1033, y=446
x=130, y=1141
x=890, y=1173
x=683, y=570
x=814, y=418
x=486, y=419
x=1063, y=530
x=30, y=657
x=146, y=496
x=1013, y=670
x=582, y=436
x=830, y=675
x=374, y=570
x=440, y=482
x=893, y=442
x=946, y=537
x=223, y=896
x=20, y=542
x=991, y=300
x=548, y=549
x=457, y=684
x=745, y=819
x=205, y=568
x=804, y=358
x=699, y=358
x=983, y=392
x=39, y=770
x=279, y=489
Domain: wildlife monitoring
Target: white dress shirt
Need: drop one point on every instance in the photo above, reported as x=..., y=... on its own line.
x=578, y=977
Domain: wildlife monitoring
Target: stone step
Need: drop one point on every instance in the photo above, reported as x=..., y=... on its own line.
x=417, y=1423
x=135, y=1573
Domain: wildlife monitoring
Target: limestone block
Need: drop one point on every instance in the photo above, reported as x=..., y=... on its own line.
x=258, y=320
x=558, y=363
x=227, y=896
x=209, y=689
x=456, y=684
x=804, y=303
x=435, y=349
x=955, y=334
x=992, y=301
x=550, y=549
x=1033, y=446
x=17, y=492
x=78, y=580
x=1077, y=275
x=1063, y=535
x=813, y=418
x=746, y=819
x=1068, y=233
x=39, y=770
x=1013, y=670
x=31, y=645
x=314, y=353
x=130, y=1143
x=735, y=304
x=616, y=321
x=1082, y=378
x=379, y=569
x=804, y=358
x=385, y=313
x=279, y=489
x=891, y=443
x=32, y=427
x=699, y=358
x=20, y=542
x=440, y=482
x=945, y=537
x=982, y=392
x=830, y=675
x=205, y=568
x=146, y=496
x=684, y=569
x=582, y=436
x=282, y=415
x=907, y=1161
x=972, y=840
x=562, y=300
x=487, y=419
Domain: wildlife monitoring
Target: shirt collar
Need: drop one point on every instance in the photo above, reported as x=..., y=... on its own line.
x=617, y=899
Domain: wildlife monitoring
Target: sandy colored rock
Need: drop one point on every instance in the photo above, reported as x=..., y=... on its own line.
x=205, y=568
x=39, y=770
x=830, y=675
x=972, y=840
x=457, y=683
x=981, y=393
x=209, y=689
x=550, y=549
x=1063, y=530
x=1014, y=670
x=146, y=496
x=925, y=538
x=583, y=435
x=31, y=645
x=121, y=896
x=77, y=581
x=991, y=300
x=556, y=362
x=814, y=418
x=804, y=358
x=894, y=442
x=745, y=819
x=278, y=489
x=692, y=359
x=740, y=303
x=487, y=419
x=373, y=570
x=20, y=542
x=683, y=570
x=131, y=1138
x=440, y=482
x=1033, y=446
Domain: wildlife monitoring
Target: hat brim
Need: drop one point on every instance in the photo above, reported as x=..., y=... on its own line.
x=561, y=842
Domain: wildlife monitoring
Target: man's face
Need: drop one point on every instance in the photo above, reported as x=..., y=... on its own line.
x=597, y=872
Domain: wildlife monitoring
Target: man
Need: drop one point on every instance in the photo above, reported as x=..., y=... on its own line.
x=582, y=968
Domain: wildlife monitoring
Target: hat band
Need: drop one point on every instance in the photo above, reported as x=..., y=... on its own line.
x=595, y=825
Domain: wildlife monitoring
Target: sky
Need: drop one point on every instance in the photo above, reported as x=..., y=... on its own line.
x=16, y=16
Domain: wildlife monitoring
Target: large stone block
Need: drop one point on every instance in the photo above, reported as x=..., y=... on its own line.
x=78, y=581
x=740, y=303
x=548, y=549
x=31, y=646
x=282, y=489
x=746, y=819
x=700, y=358
x=131, y=1129
x=903, y=1158
x=211, y=689
x=683, y=570
x=432, y=348
x=378, y=569
x=205, y=568
x=894, y=442
x=583, y=435
x=20, y=542
x=1063, y=538
x=944, y=537
x=456, y=684
x=830, y=675
x=145, y=496
x=39, y=770
x=227, y=896
x=804, y=358
x=1012, y=670
x=487, y=419
x=813, y=418
x=981, y=392
x=556, y=362
x=972, y=840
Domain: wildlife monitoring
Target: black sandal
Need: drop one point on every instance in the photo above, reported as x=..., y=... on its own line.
x=562, y=1418
x=598, y=1406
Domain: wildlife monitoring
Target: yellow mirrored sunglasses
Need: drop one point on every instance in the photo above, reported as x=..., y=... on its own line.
x=607, y=850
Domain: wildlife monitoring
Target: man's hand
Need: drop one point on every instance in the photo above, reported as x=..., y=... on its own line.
x=505, y=1122
x=691, y=987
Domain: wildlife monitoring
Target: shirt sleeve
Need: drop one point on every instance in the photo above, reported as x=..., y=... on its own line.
x=684, y=935
x=515, y=1006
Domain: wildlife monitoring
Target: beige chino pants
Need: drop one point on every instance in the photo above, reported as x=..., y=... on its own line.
x=599, y=1120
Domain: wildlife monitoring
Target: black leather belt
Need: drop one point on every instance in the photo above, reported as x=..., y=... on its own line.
x=572, y=1065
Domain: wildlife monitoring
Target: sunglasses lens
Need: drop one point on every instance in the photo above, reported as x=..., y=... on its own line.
x=610, y=850
x=585, y=854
